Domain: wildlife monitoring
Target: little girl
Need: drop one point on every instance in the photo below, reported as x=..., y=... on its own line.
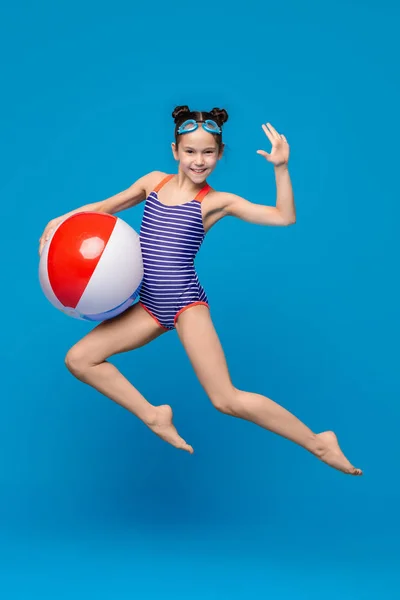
x=179, y=210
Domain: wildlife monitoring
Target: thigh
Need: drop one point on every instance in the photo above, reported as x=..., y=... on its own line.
x=203, y=347
x=130, y=330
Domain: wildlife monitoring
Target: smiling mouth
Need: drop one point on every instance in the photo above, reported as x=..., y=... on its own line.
x=198, y=170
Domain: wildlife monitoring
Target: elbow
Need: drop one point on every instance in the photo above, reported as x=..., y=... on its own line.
x=285, y=219
x=289, y=221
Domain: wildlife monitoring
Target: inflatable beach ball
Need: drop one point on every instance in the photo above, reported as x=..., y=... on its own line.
x=91, y=268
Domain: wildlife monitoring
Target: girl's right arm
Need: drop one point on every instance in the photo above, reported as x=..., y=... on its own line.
x=132, y=196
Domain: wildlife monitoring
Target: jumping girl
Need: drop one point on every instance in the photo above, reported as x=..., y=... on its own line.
x=179, y=210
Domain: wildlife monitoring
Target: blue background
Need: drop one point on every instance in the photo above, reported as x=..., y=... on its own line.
x=92, y=504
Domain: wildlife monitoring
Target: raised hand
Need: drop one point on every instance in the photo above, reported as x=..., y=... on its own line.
x=279, y=154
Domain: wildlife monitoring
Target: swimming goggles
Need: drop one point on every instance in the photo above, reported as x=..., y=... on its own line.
x=191, y=125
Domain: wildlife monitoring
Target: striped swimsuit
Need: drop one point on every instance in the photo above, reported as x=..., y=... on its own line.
x=170, y=237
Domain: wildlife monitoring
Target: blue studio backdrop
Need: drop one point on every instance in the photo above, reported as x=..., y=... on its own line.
x=92, y=504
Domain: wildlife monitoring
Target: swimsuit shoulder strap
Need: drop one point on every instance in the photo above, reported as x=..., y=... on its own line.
x=203, y=192
x=162, y=182
x=200, y=196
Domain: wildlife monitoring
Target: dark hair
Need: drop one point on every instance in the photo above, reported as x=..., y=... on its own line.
x=182, y=113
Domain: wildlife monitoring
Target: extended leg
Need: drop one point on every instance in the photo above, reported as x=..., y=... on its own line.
x=200, y=340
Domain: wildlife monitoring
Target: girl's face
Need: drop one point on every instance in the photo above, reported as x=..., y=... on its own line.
x=198, y=154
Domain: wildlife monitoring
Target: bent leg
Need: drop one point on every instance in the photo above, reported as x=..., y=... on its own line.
x=200, y=340
x=87, y=360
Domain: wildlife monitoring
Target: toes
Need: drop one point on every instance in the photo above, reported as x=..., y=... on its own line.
x=355, y=471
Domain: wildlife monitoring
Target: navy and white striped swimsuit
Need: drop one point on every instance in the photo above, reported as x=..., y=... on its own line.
x=170, y=237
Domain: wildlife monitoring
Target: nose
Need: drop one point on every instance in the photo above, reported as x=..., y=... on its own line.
x=199, y=161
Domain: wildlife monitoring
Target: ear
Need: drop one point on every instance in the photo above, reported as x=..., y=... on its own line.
x=174, y=151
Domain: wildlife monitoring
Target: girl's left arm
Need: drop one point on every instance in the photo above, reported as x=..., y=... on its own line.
x=284, y=212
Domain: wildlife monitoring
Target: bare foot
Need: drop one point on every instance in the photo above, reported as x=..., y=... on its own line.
x=162, y=426
x=328, y=451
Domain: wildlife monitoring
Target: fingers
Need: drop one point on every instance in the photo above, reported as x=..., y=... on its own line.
x=268, y=133
x=44, y=239
x=272, y=133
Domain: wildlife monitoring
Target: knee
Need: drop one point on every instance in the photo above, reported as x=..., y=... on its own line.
x=77, y=362
x=225, y=401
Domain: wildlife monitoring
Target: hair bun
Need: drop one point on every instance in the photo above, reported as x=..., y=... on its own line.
x=179, y=112
x=220, y=115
